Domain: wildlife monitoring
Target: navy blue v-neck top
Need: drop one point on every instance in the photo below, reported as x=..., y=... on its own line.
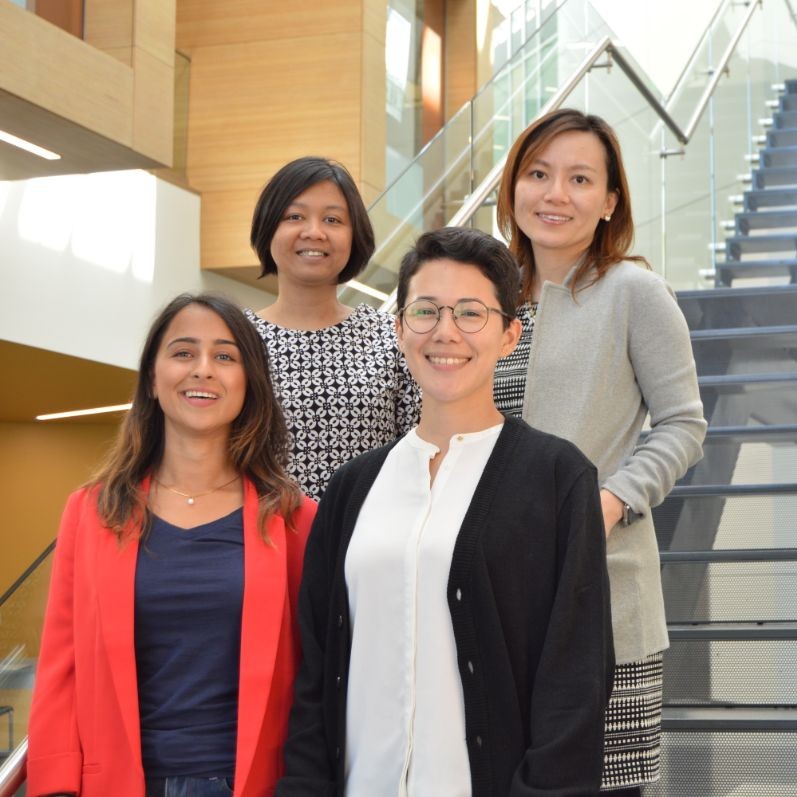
x=188, y=604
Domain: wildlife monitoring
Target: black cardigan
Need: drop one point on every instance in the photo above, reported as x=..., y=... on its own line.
x=528, y=593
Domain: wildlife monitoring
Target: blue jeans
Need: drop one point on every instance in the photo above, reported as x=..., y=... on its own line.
x=189, y=787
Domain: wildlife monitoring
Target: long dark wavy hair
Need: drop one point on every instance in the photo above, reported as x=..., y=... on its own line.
x=612, y=240
x=258, y=442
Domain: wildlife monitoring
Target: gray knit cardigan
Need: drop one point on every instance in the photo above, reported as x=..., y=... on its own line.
x=599, y=364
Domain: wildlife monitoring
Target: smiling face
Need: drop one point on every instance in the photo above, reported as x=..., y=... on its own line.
x=561, y=195
x=198, y=376
x=453, y=368
x=312, y=243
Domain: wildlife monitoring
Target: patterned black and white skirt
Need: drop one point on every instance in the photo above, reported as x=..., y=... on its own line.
x=633, y=725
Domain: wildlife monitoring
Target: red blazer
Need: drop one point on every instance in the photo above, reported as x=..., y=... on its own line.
x=84, y=734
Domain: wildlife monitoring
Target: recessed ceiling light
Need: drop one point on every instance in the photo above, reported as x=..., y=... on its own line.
x=35, y=149
x=53, y=416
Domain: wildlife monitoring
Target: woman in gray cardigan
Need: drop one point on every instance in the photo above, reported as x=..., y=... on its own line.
x=603, y=346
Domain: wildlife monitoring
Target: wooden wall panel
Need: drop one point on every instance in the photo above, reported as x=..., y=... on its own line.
x=207, y=23
x=461, y=57
x=269, y=84
x=104, y=101
x=118, y=84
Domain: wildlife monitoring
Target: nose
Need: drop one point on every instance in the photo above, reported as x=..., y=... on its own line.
x=446, y=329
x=556, y=190
x=204, y=366
x=313, y=228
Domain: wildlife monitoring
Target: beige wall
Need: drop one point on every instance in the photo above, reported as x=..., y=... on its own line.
x=269, y=85
x=40, y=464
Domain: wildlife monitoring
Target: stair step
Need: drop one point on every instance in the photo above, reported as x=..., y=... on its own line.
x=706, y=490
x=784, y=120
x=770, y=198
x=790, y=86
x=787, y=102
x=776, y=335
x=781, y=138
x=714, y=308
x=736, y=718
x=774, y=176
x=780, y=433
x=748, y=632
x=731, y=555
x=738, y=245
x=779, y=156
x=765, y=220
x=752, y=269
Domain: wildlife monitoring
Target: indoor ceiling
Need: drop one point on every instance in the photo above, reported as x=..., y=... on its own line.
x=81, y=150
x=37, y=381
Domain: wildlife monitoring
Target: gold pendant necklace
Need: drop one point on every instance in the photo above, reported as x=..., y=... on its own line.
x=191, y=497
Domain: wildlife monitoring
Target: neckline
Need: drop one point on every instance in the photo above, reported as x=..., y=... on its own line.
x=357, y=311
x=168, y=523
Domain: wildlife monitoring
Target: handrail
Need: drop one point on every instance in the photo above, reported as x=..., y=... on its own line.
x=478, y=196
x=26, y=572
x=14, y=770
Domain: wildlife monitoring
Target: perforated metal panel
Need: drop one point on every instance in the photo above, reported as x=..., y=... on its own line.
x=730, y=591
x=703, y=672
x=726, y=764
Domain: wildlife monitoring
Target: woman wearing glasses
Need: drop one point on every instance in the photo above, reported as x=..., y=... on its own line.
x=454, y=607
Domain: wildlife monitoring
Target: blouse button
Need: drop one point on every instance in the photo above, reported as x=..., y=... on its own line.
x=460, y=438
x=470, y=667
x=340, y=621
x=478, y=741
x=459, y=594
x=337, y=682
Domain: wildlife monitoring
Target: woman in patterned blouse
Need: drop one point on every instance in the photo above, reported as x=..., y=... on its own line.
x=343, y=384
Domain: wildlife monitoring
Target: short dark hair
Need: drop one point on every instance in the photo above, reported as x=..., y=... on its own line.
x=258, y=443
x=471, y=247
x=293, y=179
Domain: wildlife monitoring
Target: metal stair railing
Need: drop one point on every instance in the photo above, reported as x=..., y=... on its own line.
x=606, y=45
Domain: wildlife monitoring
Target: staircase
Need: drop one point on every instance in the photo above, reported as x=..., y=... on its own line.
x=728, y=531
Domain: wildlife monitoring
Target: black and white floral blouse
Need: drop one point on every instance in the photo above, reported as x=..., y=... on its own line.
x=344, y=389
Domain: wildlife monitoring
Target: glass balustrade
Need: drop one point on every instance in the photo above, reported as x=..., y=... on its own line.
x=680, y=194
x=21, y=618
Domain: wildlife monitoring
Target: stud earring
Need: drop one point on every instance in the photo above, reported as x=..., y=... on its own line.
x=607, y=217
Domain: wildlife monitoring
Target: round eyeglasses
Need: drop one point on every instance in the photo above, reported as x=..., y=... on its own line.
x=470, y=315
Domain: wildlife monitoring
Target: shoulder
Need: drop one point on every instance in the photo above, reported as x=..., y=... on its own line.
x=638, y=279
x=257, y=322
x=542, y=448
x=366, y=317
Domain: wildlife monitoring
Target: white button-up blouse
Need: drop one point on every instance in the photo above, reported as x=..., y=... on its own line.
x=405, y=716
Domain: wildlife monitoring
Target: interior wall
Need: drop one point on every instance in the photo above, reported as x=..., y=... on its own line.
x=267, y=86
x=86, y=261
x=40, y=464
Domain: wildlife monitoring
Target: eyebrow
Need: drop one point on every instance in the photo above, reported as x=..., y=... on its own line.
x=217, y=342
x=435, y=299
x=580, y=167
x=326, y=207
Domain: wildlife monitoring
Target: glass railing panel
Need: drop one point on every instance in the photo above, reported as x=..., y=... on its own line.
x=611, y=95
x=701, y=185
x=432, y=188
x=21, y=619
x=679, y=201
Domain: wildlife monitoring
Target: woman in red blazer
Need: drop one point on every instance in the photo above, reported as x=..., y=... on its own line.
x=170, y=642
